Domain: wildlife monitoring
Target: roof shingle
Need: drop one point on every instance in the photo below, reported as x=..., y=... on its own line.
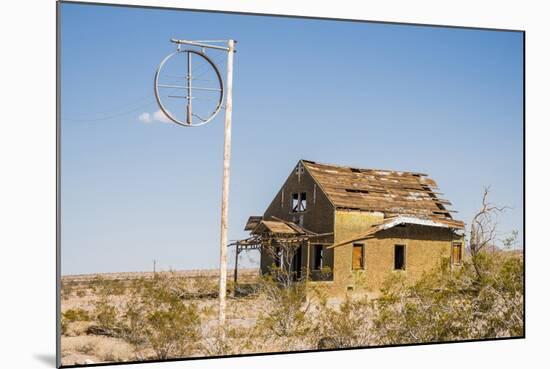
x=390, y=192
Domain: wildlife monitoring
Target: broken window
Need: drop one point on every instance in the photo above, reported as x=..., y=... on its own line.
x=457, y=253
x=295, y=202
x=299, y=202
x=358, y=256
x=317, y=257
x=399, y=257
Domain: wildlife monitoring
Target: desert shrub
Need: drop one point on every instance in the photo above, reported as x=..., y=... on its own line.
x=67, y=289
x=230, y=341
x=286, y=319
x=81, y=293
x=348, y=324
x=171, y=326
x=497, y=297
x=64, y=325
x=74, y=315
x=205, y=286
x=106, y=318
x=469, y=302
x=154, y=317
x=87, y=348
x=324, y=274
x=423, y=312
x=102, y=285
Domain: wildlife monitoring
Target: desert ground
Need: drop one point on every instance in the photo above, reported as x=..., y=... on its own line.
x=120, y=317
x=83, y=343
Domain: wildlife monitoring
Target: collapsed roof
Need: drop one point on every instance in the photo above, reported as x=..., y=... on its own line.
x=390, y=192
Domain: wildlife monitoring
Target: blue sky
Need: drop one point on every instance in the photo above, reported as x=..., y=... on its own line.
x=447, y=102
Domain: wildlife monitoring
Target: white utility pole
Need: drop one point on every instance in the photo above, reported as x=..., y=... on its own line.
x=225, y=182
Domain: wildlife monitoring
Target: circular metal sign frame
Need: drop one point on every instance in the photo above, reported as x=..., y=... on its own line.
x=218, y=75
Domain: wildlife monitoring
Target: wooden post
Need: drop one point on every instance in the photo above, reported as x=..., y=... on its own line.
x=225, y=185
x=307, y=260
x=236, y=270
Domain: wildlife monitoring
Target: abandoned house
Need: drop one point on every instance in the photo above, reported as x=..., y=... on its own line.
x=340, y=225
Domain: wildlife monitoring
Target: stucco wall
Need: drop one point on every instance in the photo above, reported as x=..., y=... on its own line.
x=424, y=249
x=346, y=225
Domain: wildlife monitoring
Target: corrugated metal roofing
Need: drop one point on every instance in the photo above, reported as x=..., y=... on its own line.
x=395, y=221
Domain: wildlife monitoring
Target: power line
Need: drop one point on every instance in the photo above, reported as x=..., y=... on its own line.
x=133, y=110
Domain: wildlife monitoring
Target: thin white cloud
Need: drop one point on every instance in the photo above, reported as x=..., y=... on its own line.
x=159, y=116
x=145, y=118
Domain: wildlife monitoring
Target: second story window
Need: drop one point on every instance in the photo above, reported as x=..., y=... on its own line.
x=299, y=202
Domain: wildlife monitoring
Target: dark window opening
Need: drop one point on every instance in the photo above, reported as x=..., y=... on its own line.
x=358, y=256
x=317, y=257
x=299, y=202
x=294, y=202
x=457, y=253
x=278, y=255
x=399, y=257
x=303, y=202
x=297, y=263
x=353, y=190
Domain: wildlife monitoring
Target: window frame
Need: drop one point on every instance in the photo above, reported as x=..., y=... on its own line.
x=453, y=246
x=298, y=202
x=302, y=202
x=362, y=260
x=404, y=263
x=318, y=249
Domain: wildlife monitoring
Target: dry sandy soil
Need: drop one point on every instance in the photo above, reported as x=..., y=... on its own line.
x=79, y=293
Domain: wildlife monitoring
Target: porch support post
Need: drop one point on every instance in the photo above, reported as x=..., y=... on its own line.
x=307, y=260
x=237, y=250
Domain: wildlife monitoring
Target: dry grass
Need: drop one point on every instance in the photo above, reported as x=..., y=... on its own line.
x=138, y=316
x=82, y=349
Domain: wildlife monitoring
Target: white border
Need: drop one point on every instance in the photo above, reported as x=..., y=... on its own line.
x=27, y=190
